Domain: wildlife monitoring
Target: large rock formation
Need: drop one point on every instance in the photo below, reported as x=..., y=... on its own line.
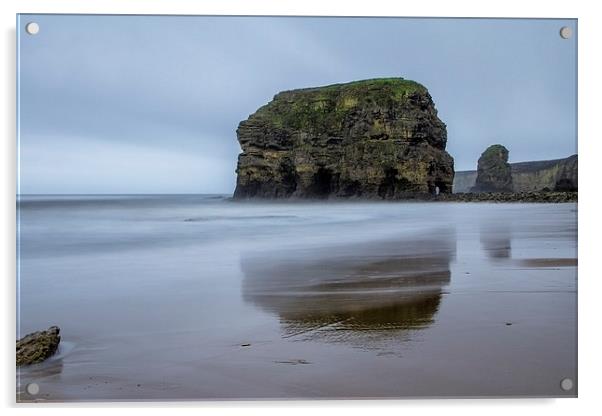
x=38, y=346
x=377, y=138
x=493, y=171
x=540, y=175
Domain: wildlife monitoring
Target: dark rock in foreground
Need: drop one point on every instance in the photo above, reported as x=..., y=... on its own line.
x=493, y=171
x=374, y=139
x=38, y=346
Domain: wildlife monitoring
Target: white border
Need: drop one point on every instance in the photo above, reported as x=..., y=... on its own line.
x=589, y=223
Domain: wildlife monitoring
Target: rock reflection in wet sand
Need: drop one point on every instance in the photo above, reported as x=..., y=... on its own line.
x=361, y=294
x=496, y=241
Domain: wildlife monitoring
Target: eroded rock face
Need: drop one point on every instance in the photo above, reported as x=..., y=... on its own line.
x=493, y=171
x=566, y=179
x=369, y=139
x=38, y=346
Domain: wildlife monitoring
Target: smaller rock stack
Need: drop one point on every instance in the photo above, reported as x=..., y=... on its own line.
x=494, y=173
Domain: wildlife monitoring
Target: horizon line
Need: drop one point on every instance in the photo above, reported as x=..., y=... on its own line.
x=128, y=193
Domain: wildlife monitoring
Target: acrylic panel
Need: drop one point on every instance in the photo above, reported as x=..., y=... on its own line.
x=229, y=207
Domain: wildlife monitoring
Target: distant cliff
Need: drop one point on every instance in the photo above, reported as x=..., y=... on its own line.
x=553, y=175
x=464, y=181
x=375, y=139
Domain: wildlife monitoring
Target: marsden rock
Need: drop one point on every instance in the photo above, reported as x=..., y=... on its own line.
x=377, y=138
x=494, y=173
x=38, y=346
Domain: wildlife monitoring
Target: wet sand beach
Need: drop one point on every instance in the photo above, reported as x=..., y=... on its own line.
x=198, y=297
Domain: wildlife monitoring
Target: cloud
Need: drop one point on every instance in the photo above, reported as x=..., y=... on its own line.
x=178, y=87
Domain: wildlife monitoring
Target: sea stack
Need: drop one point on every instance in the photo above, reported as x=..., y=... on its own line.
x=373, y=139
x=493, y=171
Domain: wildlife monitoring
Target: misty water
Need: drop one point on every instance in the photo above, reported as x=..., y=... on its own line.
x=200, y=297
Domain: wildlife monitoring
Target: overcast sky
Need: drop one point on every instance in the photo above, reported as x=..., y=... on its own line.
x=138, y=104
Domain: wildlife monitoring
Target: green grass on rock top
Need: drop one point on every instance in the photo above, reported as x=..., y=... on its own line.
x=324, y=108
